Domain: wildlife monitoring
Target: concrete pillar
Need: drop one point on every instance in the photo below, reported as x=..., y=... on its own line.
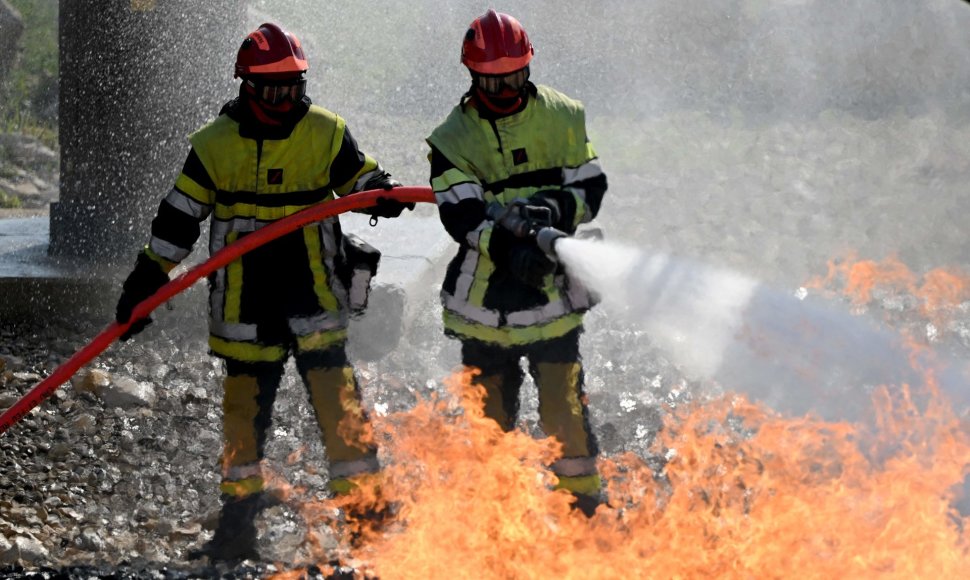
x=136, y=77
x=13, y=27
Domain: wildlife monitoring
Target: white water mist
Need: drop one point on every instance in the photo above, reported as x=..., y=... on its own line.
x=796, y=355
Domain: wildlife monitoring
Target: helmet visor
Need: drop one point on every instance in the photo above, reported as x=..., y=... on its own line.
x=276, y=92
x=500, y=85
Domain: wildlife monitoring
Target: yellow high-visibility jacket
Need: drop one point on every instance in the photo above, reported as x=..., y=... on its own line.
x=478, y=160
x=246, y=176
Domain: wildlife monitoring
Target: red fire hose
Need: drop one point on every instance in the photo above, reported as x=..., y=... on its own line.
x=221, y=258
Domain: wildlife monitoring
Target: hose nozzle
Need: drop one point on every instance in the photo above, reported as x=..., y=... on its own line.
x=546, y=239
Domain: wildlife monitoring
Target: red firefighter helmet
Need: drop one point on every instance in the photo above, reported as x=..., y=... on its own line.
x=272, y=52
x=496, y=44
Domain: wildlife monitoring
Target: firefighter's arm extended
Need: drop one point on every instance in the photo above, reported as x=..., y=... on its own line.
x=578, y=200
x=175, y=229
x=506, y=234
x=352, y=170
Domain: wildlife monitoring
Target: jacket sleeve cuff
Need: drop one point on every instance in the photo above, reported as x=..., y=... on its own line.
x=165, y=265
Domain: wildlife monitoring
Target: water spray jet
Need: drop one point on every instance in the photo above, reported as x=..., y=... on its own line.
x=796, y=354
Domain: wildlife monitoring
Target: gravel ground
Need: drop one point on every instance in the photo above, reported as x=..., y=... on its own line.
x=118, y=469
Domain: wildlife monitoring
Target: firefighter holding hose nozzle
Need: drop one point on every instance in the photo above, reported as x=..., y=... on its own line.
x=271, y=153
x=511, y=167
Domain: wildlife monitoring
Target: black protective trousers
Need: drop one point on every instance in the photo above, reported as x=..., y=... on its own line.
x=563, y=410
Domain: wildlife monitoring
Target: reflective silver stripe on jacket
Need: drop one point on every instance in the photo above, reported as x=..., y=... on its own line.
x=456, y=193
x=466, y=277
x=168, y=250
x=245, y=225
x=538, y=315
x=473, y=313
x=574, y=466
x=588, y=170
x=217, y=296
x=575, y=175
x=186, y=204
x=231, y=330
x=577, y=298
x=474, y=237
x=305, y=326
x=342, y=469
x=490, y=317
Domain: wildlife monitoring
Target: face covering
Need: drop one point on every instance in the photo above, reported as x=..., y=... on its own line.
x=502, y=94
x=272, y=101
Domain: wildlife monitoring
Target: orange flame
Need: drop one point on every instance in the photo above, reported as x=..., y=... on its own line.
x=353, y=428
x=938, y=290
x=744, y=493
x=942, y=288
x=861, y=277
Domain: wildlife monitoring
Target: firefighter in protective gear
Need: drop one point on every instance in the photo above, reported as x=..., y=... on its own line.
x=512, y=143
x=271, y=153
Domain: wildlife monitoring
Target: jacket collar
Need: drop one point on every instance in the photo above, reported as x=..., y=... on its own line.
x=470, y=99
x=251, y=128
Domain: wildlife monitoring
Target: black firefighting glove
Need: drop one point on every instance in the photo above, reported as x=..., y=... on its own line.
x=529, y=264
x=144, y=280
x=561, y=205
x=386, y=207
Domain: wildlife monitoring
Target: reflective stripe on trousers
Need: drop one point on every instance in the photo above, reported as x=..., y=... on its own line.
x=249, y=393
x=558, y=374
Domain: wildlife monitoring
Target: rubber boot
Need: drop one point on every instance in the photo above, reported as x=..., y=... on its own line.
x=235, y=537
x=369, y=522
x=586, y=503
x=368, y=519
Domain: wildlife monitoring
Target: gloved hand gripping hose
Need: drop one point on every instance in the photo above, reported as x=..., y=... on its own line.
x=520, y=218
x=223, y=257
x=146, y=279
x=534, y=257
x=386, y=206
